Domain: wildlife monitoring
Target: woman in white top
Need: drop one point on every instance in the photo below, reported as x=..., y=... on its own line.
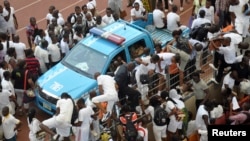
x=33, y=124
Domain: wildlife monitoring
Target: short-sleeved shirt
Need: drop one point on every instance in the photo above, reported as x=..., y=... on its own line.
x=172, y=20
x=108, y=84
x=199, y=89
x=85, y=115
x=158, y=17
x=66, y=110
x=137, y=13
x=18, y=76
x=9, y=124
x=30, y=31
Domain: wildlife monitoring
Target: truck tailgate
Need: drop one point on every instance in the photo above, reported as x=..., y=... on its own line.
x=161, y=35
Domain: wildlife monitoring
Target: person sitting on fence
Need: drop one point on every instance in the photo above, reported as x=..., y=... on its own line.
x=162, y=61
x=145, y=68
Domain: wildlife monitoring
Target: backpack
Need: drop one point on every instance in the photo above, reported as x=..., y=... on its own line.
x=160, y=116
x=182, y=43
x=131, y=131
x=200, y=32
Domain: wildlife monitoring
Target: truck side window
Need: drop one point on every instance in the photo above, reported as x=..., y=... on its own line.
x=118, y=60
x=136, y=49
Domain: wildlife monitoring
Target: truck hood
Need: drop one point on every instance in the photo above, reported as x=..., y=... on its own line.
x=61, y=79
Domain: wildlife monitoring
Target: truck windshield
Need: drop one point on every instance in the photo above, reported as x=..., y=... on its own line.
x=85, y=60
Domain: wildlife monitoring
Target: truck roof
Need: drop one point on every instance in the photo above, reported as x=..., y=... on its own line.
x=120, y=28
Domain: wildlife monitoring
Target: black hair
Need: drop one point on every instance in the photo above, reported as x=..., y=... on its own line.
x=202, y=13
x=65, y=95
x=154, y=101
x=164, y=94
x=174, y=8
x=196, y=74
x=155, y=58
x=6, y=74
x=31, y=114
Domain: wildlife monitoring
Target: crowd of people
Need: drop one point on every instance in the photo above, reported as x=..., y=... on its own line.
x=119, y=103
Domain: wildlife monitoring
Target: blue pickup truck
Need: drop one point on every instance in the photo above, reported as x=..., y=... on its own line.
x=95, y=53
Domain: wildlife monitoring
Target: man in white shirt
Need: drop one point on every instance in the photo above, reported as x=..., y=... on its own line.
x=10, y=124
x=84, y=121
x=62, y=119
x=145, y=68
x=19, y=47
x=238, y=18
x=229, y=57
x=64, y=45
x=108, y=90
x=41, y=53
x=173, y=19
x=162, y=61
x=159, y=17
x=200, y=20
x=54, y=51
x=108, y=18
x=10, y=18
x=209, y=10
x=138, y=13
x=202, y=119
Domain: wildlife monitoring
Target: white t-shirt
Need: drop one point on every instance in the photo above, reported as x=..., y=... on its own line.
x=166, y=56
x=169, y=107
x=66, y=110
x=150, y=110
x=135, y=13
x=34, y=128
x=54, y=51
x=78, y=38
x=108, y=20
x=108, y=84
x=7, y=85
x=5, y=46
x=49, y=16
x=9, y=124
x=158, y=17
x=199, y=122
x=91, y=4
x=20, y=48
x=4, y=98
x=172, y=20
x=64, y=47
x=43, y=57
x=229, y=53
x=199, y=21
x=85, y=116
x=209, y=13
x=235, y=39
x=228, y=81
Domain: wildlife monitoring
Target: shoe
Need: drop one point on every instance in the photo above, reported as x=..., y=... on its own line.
x=213, y=80
x=106, y=116
x=181, y=9
x=213, y=67
x=170, y=2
